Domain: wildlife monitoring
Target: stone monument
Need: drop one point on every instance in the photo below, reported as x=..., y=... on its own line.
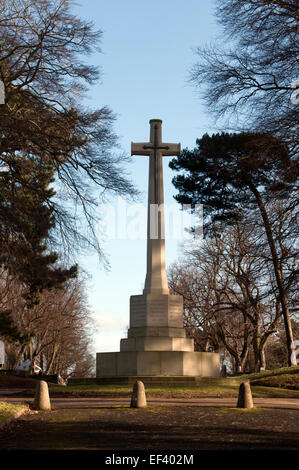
x=156, y=344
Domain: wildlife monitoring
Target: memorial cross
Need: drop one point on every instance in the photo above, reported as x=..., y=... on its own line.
x=156, y=280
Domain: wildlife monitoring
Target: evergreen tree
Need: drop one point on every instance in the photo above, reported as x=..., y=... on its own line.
x=26, y=221
x=43, y=45
x=9, y=331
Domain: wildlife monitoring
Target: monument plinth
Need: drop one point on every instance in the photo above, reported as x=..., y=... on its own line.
x=156, y=344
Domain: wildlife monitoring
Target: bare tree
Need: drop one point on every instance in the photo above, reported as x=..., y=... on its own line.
x=41, y=65
x=230, y=292
x=252, y=78
x=213, y=309
x=60, y=326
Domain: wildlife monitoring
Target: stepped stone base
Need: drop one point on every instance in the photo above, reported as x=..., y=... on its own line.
x=156, y=311
x=156, y=343
x=157, y=363
x=156, y=324
x=156, y=331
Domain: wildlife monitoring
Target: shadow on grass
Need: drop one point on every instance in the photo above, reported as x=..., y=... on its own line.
x=155, y=428
x=119, y=436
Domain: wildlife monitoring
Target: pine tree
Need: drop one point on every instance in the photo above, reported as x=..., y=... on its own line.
x=26, y=221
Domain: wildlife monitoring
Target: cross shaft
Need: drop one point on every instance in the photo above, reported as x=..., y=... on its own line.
x=156, y=280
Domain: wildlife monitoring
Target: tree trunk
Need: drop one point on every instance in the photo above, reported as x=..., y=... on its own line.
x=259, y=359
x=263, y=359
x=53, y=356
x=256, y=343
x=278, y=277
x=41, y=362
x=238, y=366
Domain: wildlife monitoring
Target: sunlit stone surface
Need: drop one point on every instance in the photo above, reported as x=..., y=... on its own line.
x=156, y=344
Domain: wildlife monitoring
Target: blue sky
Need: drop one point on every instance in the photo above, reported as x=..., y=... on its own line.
x=147, y=51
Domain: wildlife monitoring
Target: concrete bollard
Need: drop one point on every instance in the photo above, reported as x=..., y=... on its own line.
x=138, y=399
x=245, y=396
x=42, y=399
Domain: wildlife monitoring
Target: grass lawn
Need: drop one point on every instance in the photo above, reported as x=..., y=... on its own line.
x=153, y=428
x=279, y=383
x=158, y=427
x=271, y=373
x=7, y=410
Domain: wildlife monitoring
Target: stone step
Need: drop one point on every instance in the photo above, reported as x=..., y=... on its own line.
x=157, y=363
x=195, y=381
x=157, y=343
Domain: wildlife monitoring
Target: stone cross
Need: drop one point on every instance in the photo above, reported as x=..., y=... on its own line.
x=156, y=345
x=156, y=280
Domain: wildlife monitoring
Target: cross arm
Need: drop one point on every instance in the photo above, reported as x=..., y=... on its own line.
x=171, y=150
x=141, y=148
